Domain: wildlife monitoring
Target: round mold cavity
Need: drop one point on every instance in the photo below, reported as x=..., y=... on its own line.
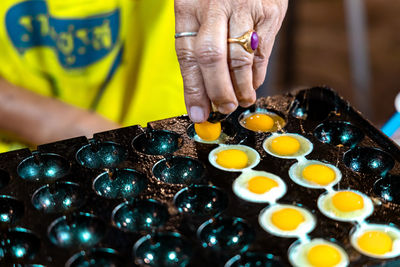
x=163, y=249
x=226, y=234
x=139, y=215
x=100, y=155
x=179, y=170
x=82, y=229
x=298, y=252
x=339, y=133
x=43, y=167
x=388, y=188
x=266, y=223
x=58, y=197
x=201, y=200
x=305, y=147
x=20, y=244
x=157, y=142
x=393, y=232
x=11, y=210
x=241, y=190
x=326, y=206
x=254, y=259
x=106, y=257
x=227, y=133
x=122, y=183
x=278, y=121
x=252, y=155
x=296, y=174
x=368, y=160
x=4, y=178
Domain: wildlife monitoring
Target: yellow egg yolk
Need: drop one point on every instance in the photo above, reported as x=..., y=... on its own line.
x=259, y=122
x=287, y=219
x=323, y=255
x=285, y=145
x=347, y=201
x=375, y=242
x=208, y=131
x=261, y=184
x=232, y=159
x=319, y=174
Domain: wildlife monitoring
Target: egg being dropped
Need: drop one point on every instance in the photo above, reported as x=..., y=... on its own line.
x=208, y=131
x=287, y=145
x=317, y=253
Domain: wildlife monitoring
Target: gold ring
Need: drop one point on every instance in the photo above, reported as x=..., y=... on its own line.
x=249, y=41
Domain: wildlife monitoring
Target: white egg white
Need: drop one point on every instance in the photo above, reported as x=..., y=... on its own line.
x=305, y=145
x=239, y=187
x=297, y=252
x=391, y=230
x=220, y=140
x=252, y=154
x=264, y=219
x=296, y=174
x=327, y=208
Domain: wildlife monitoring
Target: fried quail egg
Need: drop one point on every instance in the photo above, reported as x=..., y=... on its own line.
x=376, y=240
x=286, y=220
x=345, y=205
x=233, y=157
x=317, y=253
x=287, y=146
x=314, y=174
x=261, y=121
x=207, y=131
x=259, y=186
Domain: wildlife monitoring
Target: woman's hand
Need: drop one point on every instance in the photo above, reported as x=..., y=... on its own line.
x=218, y=72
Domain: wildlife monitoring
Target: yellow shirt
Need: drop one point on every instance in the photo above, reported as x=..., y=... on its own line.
x=120, y=52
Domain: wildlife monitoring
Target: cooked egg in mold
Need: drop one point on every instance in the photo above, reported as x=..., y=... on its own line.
x=376, y=240
x=287, y=146
x=315, y=174
x=259, y=186
x=234, y=158
x=317, y=252
x=345, y=205
x=261, y=120
x=287, y=220
x=212, y=133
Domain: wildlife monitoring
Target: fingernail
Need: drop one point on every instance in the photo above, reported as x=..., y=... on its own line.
x=196, y=114
x=227, y=108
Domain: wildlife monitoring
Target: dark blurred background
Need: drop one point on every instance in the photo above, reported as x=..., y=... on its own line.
x=352, y=46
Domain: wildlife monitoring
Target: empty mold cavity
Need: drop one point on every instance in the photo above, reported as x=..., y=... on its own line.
x=140, y=215
x=43, y=167
x=19, y=244
x=162, y=249
x=314, y=104
x=83, y=229
x=157, y=142
x=58, y=197
x=254, y=259
x=226, y=234
x=179, y=170
x=368, y=160
x=201, y=200
x=99, y=155
x=4, y=178
x=339, y=133
x=11, y=210
x=388, y=188
x=97, y=257
x=120, y=183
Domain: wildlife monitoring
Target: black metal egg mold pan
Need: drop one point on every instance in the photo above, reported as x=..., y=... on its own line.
x=123, y=197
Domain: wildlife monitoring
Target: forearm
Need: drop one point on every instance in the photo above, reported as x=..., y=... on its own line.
x=37, y=119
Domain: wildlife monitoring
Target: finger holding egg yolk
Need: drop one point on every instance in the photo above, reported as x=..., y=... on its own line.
x=234, y=157
x=287, y=146
x=315, y=174
x=345, y=205
x=286, y=220
x=317, y=253
x=259, y=186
